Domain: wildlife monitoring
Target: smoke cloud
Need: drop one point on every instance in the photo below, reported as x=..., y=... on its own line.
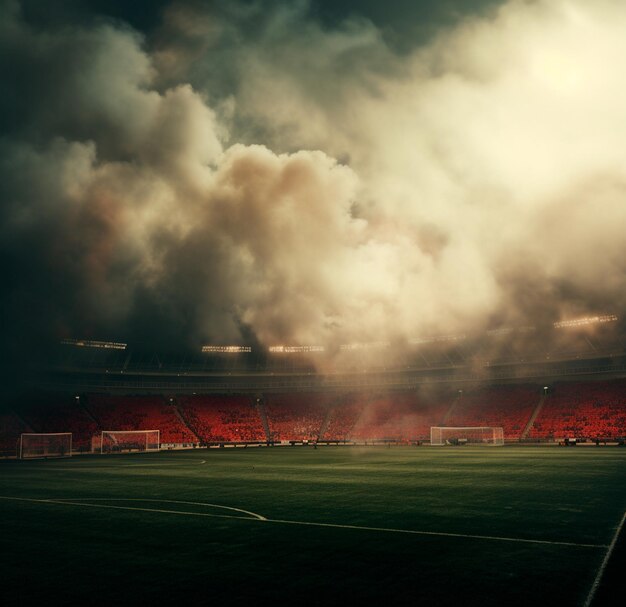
x=249, y=171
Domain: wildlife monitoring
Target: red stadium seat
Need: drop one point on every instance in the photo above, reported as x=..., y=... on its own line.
x=223, y=418
x=296, y=417
x=400, y=416
x=508, y=407
x=140, y=413
x=583, y=410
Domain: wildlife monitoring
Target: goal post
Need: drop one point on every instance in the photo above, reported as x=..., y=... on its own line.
x=467, y=435
x=125, y=441
x=43, y=445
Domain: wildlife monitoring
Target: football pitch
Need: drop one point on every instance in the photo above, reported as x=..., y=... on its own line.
x=405, y=525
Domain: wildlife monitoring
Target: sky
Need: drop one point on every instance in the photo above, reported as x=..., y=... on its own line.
x=189, y=172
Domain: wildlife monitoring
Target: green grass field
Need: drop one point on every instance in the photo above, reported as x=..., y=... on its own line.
x=490, y=526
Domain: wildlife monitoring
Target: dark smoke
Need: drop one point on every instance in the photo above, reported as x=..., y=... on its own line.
x=252, y=174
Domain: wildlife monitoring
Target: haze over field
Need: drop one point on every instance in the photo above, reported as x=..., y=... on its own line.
x=298, y=173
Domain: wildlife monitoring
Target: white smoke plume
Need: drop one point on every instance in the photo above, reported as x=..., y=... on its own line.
x=310, y=185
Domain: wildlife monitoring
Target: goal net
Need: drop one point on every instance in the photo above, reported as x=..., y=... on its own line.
x=470, y=435
x=124, y=441
x=33, y=445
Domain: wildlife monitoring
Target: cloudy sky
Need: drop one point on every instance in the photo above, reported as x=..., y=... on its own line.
x=187, y=172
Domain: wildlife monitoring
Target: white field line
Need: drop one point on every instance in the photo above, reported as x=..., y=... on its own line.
x=161, y=501
x=84, y=502
x=254, y=516
x=605, y=562
x=439, y=534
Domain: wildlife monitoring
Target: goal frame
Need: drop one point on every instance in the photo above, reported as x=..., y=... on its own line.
x=146, y=432
x=497, y=435
x=21, y=455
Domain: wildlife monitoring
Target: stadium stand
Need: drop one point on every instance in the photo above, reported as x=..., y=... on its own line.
x=509, y=407
x=583, y=410
x=60, y=413
x=222, y=418
x=400, y=416
x=343, y=416
x=11, y=427
x=139, y=413
x=296, y=417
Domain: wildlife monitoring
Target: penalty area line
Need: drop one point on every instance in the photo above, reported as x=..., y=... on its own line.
x=257, y=517
x=605, y=562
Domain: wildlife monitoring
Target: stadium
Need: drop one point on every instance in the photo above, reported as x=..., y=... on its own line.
x=322, y=486
x=316, y=302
